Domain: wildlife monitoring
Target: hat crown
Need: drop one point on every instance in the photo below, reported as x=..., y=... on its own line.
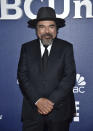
x=46, y=12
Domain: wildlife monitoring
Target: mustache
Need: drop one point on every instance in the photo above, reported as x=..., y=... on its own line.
x=47, y=34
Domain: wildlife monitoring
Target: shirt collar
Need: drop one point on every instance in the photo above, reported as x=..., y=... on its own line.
x=43, y=48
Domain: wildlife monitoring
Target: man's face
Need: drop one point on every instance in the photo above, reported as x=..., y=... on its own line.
x=46, y=31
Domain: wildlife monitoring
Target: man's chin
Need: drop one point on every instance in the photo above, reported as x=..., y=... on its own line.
x=47, y=41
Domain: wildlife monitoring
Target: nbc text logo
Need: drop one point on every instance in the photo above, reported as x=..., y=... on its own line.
x=76, y=118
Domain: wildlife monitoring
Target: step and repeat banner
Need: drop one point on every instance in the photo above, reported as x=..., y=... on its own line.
x=14, y=15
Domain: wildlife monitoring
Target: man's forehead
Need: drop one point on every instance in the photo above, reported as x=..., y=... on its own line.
x=46, y=22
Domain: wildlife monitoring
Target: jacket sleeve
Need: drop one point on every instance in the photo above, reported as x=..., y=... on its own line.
x=25, y=84
x=68, y=81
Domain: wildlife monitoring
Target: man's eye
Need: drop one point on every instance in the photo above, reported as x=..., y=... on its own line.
x=41, y=26
x=52, y=26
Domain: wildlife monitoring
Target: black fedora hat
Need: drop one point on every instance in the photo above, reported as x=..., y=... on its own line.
x=46, y=13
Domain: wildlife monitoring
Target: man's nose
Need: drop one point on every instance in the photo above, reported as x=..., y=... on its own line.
x=47, y=29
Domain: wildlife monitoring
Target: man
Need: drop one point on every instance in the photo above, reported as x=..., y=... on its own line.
x=46, y=75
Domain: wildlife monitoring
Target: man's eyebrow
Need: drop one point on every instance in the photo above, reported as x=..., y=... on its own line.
x=40, y=25
x=52, y=25
x=45, y=25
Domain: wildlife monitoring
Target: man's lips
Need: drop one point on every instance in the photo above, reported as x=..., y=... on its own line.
x=47, y=37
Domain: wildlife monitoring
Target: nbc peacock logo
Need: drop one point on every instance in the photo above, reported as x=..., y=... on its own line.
x=80, y=84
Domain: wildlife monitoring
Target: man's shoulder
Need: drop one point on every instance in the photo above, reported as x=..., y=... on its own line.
x=63, y=43
x=30, y=43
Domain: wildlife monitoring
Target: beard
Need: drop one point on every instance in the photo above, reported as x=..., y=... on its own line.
x=47, y=39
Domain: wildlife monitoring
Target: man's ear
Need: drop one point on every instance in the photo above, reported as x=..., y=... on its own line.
x=57, y=29
x=36, y=31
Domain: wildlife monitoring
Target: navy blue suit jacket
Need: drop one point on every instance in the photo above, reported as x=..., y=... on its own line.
x=56, y=85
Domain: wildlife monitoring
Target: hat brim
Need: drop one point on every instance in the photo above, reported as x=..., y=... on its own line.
x=59, y=22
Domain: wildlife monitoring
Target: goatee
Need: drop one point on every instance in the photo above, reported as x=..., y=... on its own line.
x=47, y=39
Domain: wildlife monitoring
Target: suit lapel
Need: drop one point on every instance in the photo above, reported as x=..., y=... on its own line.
x=38, y=55
x=54, y=53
